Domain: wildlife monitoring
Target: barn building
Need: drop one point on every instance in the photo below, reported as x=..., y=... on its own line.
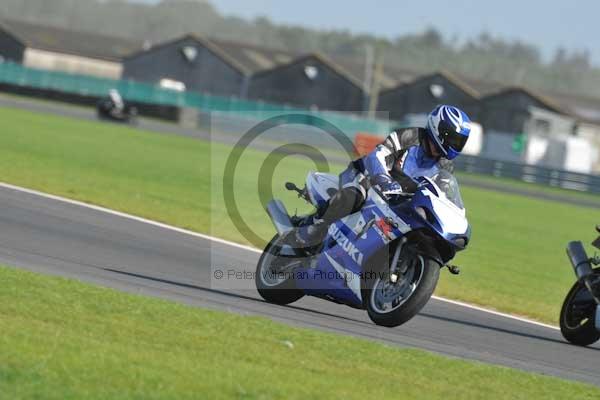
x=516, y=110
x=311, y=81
x=424, y=93
x=203, y=65
x=586, y=112
x=58, y=49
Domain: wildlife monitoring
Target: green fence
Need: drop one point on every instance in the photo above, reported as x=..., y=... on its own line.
x=15, y=74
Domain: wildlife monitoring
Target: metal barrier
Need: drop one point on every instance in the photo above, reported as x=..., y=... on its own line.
x=529, y=173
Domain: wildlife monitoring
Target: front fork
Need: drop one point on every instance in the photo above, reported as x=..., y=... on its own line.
x=394, y=265
x=395, y=272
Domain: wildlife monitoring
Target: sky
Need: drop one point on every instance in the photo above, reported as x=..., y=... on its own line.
x=548, y=24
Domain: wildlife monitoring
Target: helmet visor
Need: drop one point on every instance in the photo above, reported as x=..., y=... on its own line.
x=452, y=139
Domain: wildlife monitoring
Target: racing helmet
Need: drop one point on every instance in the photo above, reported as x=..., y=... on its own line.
x=448, y=128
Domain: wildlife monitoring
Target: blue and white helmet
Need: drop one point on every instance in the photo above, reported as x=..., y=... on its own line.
x=449, y=128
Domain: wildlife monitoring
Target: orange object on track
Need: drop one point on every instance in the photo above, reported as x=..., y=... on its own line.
x=364, y=143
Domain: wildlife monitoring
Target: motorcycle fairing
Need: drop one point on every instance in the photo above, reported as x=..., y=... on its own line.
x=347, y=247
x=352, y=241
x=320, y=187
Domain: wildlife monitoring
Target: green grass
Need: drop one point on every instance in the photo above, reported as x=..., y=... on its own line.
x=516, y=262
x=534, y=188
x=40, y=100
x=62, y=339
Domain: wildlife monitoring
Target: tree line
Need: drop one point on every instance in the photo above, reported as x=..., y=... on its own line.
x=485, y=57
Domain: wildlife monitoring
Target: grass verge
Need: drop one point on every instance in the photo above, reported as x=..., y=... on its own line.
x=62, y=339
x=516, y=262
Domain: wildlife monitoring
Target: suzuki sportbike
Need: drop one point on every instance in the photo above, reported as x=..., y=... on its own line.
x=385, y=258
x=580, y=314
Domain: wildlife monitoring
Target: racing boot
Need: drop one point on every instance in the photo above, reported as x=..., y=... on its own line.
x=308, y=238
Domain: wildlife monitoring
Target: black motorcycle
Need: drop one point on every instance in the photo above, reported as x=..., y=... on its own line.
x=580, y=314
x=107, y=110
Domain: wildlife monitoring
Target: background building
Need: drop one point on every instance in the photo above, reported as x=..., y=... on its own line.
x=57, y=49
x=424, y=93
x=312, y=81
x=203, y=65
x=515, y=110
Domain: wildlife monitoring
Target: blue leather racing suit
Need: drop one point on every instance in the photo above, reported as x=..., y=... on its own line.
x=398, y=159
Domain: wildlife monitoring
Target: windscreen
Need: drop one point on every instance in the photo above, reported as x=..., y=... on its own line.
x=449, y=185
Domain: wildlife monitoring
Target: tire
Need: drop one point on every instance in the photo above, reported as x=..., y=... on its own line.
x=132, y=116
x=408, y=308
x=283, y=292
x=580, y=334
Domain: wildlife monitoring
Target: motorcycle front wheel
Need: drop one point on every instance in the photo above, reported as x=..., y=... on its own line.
x=577, y=316
x=274, y=278
x=394, y=303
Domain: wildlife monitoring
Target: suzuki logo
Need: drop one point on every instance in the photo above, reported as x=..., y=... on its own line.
x=346, y=244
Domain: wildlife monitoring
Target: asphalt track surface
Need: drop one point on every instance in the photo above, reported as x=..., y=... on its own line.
x=173, y=129
x=52, y=236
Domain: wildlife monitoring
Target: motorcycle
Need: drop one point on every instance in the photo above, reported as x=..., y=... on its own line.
x=580, y=313
x=106, y=110
x=385, y=258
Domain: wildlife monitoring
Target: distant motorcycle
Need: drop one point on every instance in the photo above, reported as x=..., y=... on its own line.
x=113, y=108
x=385, y=258
x=580, y=314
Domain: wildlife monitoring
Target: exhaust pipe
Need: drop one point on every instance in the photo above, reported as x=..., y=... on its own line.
x=583, y=270
x=579, y=260
x=279, y=216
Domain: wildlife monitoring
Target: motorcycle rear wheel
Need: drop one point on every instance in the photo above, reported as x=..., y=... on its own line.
x=577, y=316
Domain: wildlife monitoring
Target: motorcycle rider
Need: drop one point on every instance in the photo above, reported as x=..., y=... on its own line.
x=117, y=101
x=403, y=155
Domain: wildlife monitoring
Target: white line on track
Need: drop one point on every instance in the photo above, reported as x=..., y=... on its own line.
x=233, y=244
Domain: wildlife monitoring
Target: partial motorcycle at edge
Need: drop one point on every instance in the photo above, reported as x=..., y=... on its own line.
x=580, y=313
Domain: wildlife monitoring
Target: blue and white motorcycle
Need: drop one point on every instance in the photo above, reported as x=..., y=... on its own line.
x=385, y=258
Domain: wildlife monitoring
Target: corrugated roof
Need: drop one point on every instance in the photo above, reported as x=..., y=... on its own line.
x=483, y=88
x=247, y=59
x=254, y=58
x=453, y=79
x=320, y=58
x=391, y=76
x=546, y=101
x=582, y=108
x=69, y=42
x=585, y=109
